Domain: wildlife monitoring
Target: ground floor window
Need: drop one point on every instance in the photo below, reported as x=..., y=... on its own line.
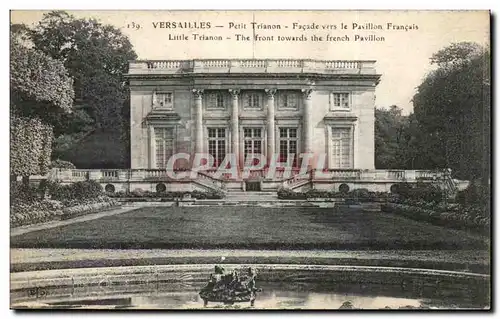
x=164, y=139
x=217, y=144
x=253, y=143
x=288, y=145
x=341, y=148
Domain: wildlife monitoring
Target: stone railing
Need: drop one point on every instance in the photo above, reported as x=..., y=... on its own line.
x=298, y=179
x=74, y=175
x=333, y=174
x=343, y=64
x=378, y=174
x=251, y=66
x=290, y=178
x=206, y=179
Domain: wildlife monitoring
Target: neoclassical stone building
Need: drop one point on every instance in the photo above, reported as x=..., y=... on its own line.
x=244, y=107
x=279, y=109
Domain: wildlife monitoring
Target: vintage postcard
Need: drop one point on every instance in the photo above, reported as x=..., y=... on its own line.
x=223, y=160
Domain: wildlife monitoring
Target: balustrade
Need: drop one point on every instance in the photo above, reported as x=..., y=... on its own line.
x=426, y=174
x=289, y=63
x=216, y=63
x=165, y=64
x=336, y=174
x=253, y=63
x=109, y=174
x=79, y=175
x=156, y=173
x=396, y=175
x=207, y=177
x=246, y=66
x=297, y=179
x=342, y=64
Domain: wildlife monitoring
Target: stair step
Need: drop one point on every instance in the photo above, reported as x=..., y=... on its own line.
x=230, y=192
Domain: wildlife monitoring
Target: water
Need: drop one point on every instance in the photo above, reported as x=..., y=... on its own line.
x=273, y=296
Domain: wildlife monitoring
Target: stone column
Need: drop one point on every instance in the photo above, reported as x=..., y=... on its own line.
x=235, y=141
x=198, y=123
x=307, y=118
x=270, y=124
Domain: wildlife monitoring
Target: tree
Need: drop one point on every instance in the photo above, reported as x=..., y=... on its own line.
x=391, y=139
x=40, y=89
x=39, y=84
x=453, y=111
x=96, y=56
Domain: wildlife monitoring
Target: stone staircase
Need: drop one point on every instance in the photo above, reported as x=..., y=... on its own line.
x=251, y=196
x=257, y=199
x=240, y=198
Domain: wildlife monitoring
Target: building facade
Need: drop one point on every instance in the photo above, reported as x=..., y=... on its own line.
x=279, y=108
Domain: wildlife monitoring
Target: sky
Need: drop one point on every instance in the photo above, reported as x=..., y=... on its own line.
x=402, y=58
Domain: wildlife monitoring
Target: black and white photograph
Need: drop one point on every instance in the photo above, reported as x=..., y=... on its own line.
x=222, y=160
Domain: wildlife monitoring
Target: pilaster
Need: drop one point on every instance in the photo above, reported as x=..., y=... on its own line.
x=198, y=104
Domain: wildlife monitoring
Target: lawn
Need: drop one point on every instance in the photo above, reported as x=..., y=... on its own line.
x=250, y=227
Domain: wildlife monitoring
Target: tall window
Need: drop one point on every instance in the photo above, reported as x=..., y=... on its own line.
x=253, y=143
x=288, y=145
x=164, y=138
x=217, y=144
x=216, y=100
x=252, y=101
x=288, y=100
x=341, y=148
x=340, y=100
x=163, y=100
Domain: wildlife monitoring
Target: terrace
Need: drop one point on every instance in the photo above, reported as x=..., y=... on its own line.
x=376, y=180
x=246, y=66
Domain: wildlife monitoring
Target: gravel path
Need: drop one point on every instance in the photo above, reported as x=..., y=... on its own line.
x=53, y=255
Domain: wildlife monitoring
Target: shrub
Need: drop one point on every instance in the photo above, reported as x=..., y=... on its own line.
x=420, y=191
x=62, y=164
x=27, y=207
x=361, y=194
x=315, y=193
x=88, y=206
x=207, y=195
x=25, y=213
x=47, y=186
x=30, y=146
x=471, y=219
x=23, y=193
x=427, y=192
x=165, y=196
x=138, y=192
x=473, y=194
x=76, y=191
x=284, y=193
x=402, y=189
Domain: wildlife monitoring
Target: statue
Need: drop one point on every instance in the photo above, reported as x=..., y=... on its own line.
x=230, y=287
